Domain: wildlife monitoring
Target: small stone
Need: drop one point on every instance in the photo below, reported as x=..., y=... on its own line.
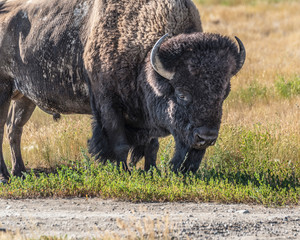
x=8, y=207
x=38, y=224
x=243, y=211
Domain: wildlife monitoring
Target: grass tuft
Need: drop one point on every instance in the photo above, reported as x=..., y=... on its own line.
x=288, y=87
x=250, y=95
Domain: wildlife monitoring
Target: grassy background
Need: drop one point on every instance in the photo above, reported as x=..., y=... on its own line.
x=257, y=156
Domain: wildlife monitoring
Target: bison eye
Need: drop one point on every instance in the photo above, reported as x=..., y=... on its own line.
x=183, y=96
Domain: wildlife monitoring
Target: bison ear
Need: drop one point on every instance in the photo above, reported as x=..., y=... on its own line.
x=241, y=56
x=156, y=63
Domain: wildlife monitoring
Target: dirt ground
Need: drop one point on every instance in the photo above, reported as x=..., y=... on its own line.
x=86, y=218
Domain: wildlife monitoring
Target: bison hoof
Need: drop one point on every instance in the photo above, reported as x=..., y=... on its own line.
x=3, y=181
x=19, y=174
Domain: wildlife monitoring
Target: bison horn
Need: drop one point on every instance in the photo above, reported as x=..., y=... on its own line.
x=242, y=56
x=156, y=62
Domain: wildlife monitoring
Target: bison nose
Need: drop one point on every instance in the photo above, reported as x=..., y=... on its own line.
x=204, y=137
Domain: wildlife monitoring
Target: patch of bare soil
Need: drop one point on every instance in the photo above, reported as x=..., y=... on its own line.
x=87, y=218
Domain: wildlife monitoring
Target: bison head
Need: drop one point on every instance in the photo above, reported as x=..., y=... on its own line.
x=192, y=73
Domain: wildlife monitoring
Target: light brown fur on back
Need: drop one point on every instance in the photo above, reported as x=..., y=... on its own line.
x=128, y=29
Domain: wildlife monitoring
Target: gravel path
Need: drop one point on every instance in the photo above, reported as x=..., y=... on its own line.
x=80, y=218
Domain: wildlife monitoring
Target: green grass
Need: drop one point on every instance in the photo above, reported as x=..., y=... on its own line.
x=288, y=87
x=248, y=169
x=249, y=95
x=283, y=87
x=257, y=156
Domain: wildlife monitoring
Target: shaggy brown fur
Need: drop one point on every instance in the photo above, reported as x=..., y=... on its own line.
x=130, y=29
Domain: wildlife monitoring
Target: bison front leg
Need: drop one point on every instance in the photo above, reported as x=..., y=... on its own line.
x=19, y=114
x=109, y=140
x=149, y=151
x=113, y=123
x=185, y=159
x=192, y=161
x=179, y=156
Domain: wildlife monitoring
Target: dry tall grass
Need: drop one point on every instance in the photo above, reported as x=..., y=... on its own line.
x=271, y=35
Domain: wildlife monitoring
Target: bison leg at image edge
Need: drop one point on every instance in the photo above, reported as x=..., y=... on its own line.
x=5, y=95
x=20, y=112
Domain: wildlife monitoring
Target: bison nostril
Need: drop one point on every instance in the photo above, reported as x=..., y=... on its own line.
x=199, y=140
x=205, y=137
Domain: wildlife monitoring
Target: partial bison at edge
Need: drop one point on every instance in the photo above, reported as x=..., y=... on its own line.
x=143, y=69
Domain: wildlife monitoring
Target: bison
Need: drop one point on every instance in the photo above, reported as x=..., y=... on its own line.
x=143, y=69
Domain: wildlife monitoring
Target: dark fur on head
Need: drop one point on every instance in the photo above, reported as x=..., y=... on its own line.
x=203, y=65
x=184, y=46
